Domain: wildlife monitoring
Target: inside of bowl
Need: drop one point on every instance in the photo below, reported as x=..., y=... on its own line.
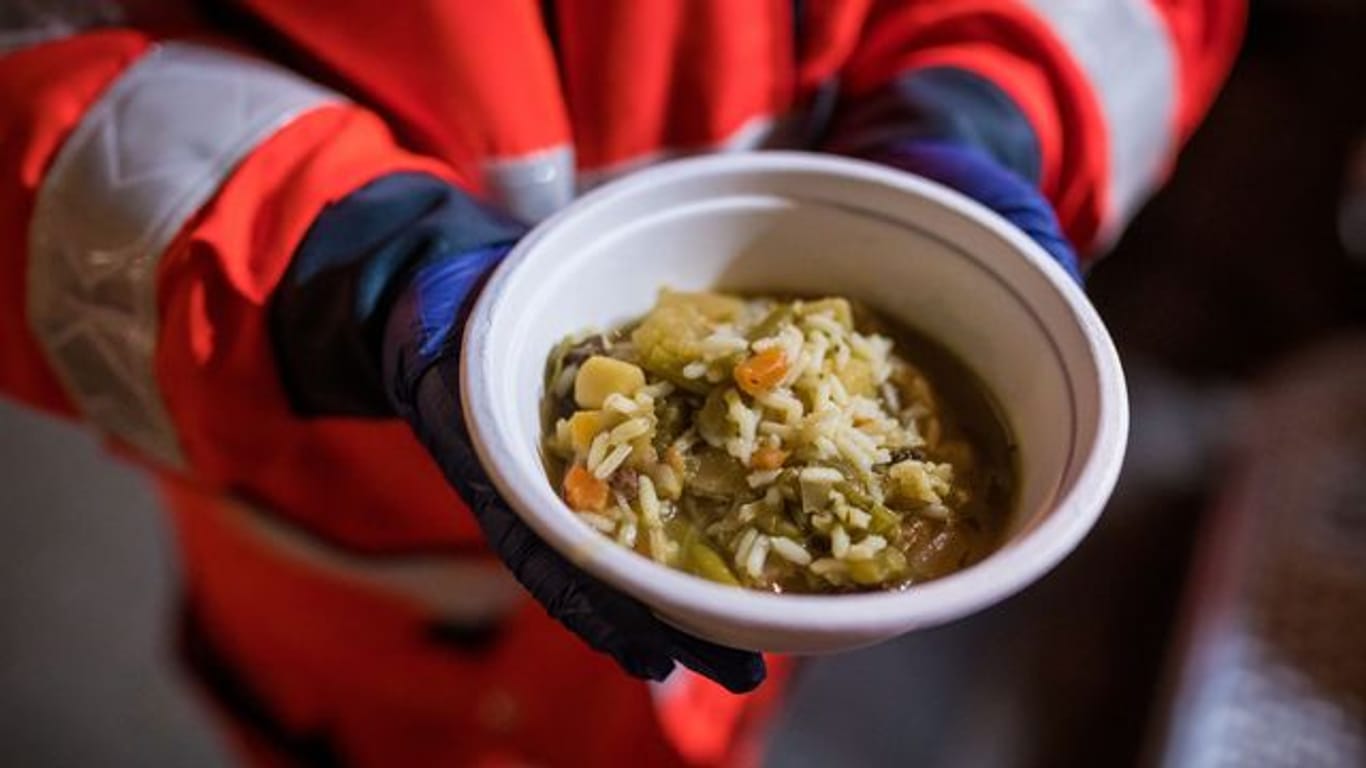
x=929, y=268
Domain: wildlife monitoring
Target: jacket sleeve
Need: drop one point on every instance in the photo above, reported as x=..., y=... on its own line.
x=154, y=196
x=1091, y=101
x=40, y=104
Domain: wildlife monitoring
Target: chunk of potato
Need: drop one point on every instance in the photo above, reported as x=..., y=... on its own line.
x=584, y=426
x=601, y=376
x=920, y=482
x=857, y=377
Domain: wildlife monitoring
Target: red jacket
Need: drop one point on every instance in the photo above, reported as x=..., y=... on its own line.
x=157, y=173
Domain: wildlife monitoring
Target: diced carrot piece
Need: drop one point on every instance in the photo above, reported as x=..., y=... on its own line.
x=768, y=458
x=760, y=373
x=583, y=491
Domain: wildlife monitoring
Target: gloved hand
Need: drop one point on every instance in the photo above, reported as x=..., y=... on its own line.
x=958, y=128
x=973, y=172
x=421, y=369
x=376, y=300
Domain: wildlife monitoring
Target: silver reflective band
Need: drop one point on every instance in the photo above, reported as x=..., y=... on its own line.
x=755, y=133
x=142, y=161
x=466, y=592
x=533, y=186
x=1123, y=47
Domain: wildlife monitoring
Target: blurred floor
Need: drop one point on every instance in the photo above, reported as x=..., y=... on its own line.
x=1235, y=265
x=87, y=581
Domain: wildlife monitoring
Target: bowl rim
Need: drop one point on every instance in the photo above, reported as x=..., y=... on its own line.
x=1020, y=562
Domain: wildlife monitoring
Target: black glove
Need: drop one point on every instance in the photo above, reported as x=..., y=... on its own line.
x=368, y=322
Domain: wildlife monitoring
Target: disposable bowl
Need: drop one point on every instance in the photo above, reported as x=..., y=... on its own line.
x=807, y=224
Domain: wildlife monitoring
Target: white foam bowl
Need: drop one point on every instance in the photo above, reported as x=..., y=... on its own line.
x=799, y=223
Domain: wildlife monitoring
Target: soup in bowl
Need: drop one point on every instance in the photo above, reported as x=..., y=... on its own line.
x=789, y=227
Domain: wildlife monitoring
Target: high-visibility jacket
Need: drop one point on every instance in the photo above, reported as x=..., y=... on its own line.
x=159, y=169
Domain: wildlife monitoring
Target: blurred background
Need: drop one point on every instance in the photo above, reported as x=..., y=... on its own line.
x=1217, y=615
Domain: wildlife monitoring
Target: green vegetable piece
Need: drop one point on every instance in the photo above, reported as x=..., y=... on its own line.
x=771, y=322
x=854, y=494
x=896, y=562
x=887, y=566
x=717, y=307
x=668, y=339
x=775, y=523
x=868, y=573
x=839, y=308
x=712, y=424
x=671, y=420
x=718, y=475
x=886, y=523
x=706, y=562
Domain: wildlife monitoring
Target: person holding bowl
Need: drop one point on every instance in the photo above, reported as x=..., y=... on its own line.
x=245, y=237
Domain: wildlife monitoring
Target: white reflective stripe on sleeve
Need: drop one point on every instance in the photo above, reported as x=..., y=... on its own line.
x=1124, y=49
x=461, y=591
x=533, y=186
x=755, y=133
x=150, y=152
